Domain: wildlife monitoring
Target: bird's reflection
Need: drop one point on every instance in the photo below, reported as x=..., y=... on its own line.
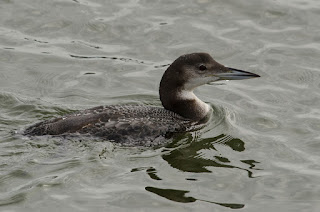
x=186, y=153
x=188, y=158
x=179, y=196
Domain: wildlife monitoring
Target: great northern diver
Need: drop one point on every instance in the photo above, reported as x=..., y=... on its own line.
x=136, y=125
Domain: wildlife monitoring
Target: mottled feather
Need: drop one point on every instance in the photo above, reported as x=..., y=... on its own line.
x=125, y=124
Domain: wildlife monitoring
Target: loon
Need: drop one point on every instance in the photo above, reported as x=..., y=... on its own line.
x=141, y=125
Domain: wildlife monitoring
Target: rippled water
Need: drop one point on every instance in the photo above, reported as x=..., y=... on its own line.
x=261, y=152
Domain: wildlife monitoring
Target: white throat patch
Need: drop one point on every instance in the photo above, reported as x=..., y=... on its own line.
x=189, y=95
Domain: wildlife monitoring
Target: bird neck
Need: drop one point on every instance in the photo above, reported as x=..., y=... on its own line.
x=184, y=102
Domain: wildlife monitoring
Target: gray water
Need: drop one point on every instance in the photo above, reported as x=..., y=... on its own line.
x=259, y=153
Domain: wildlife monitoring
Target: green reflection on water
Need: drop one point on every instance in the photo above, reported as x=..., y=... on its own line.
x=179, y=196
x=189, y=159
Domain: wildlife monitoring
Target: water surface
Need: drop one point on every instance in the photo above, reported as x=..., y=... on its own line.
x=260, y=153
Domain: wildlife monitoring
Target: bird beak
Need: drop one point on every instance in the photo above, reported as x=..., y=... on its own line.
x=235, y=74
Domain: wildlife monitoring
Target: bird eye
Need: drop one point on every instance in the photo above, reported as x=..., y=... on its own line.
x=202, y=67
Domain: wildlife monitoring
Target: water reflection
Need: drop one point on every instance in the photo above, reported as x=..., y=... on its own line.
x=152, y=172
x=179, y=196
x=189, y=156
x=190, y=159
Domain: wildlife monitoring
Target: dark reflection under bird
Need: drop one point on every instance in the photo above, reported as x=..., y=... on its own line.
x=188, y=159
